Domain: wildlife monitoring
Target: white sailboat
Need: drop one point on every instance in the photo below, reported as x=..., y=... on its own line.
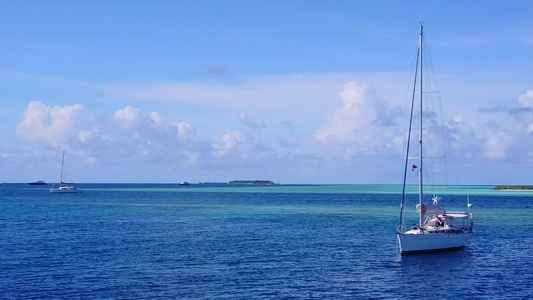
x=437, y=229
x=64, y=188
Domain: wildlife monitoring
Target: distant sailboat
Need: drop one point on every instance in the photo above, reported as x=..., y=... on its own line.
x=437, y=228
x=64, y=188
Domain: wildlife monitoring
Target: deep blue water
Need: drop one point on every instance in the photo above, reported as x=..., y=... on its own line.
x=279, y=242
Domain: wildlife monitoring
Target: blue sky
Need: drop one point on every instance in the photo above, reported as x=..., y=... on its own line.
x=291, y=91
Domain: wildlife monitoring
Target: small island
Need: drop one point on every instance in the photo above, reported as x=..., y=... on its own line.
x=261, y=182
x=38, y=182
x=514, y=187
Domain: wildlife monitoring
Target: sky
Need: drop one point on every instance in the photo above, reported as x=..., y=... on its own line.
x=290, y=91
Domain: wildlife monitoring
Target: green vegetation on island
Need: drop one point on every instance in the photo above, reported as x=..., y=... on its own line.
x=262, y=182
x=513, y=187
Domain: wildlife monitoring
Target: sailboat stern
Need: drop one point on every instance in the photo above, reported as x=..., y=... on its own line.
x=416, y=241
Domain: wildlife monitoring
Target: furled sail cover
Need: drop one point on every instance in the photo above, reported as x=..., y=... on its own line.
x=430, y=209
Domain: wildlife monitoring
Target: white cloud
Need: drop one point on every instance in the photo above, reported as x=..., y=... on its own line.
x=362, y=120
x=361, y=125
x=51, y=125
x=526, y=99
x=139, y=124
x=184, y=129
x=251, y=121
x=128, y=114
x=151, y=137
x=497, y=144
x=348, y=124
x=335, y=122
x=281, y=94
x=226, y=145
x=85, y=136
x=498, y=134
x=157, y=119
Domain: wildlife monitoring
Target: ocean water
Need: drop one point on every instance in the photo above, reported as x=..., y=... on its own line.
x=252, y=242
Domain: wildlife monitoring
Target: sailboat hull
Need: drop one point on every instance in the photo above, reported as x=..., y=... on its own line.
x=432, y=242
x=58, y=191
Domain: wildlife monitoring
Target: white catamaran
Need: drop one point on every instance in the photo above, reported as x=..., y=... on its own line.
x=64, y=188
x=437, y=228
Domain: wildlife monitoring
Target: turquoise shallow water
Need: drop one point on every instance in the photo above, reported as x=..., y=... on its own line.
x=241, y=242
x=484, y=190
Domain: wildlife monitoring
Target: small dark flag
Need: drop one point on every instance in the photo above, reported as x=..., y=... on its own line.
x=414, y=167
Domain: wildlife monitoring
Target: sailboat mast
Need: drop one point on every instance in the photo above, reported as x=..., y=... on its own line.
x=420, y=167
x=61, y=174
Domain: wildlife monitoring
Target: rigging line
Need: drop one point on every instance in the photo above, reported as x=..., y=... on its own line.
x=431, y=178
x=445, y=133
x=409, y=93
x=420, y=129
x=412, y=93
x=432, y=68
x=408, y=142
x=445, y=144
x=436, y=105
